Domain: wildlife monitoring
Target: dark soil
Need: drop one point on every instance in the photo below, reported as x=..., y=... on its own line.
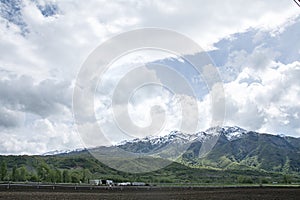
x=150, y=193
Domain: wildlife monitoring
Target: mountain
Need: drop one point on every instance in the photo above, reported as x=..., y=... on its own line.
x=232, y=148
x=237, y=148
x=154, y=144
x=218, y=147
x=226, y=155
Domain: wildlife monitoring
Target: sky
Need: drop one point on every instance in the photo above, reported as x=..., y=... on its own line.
x=44, y=43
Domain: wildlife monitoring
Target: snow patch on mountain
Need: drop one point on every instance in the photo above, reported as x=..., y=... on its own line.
x=231, y=133
x=57, y=152
x=175, y=137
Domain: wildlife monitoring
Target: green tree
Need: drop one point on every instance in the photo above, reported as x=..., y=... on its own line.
x=15, y=176
x=3, y=171
x=76, y=177
x=33, y=177
x=287, y=179
x=52, y=177
x=58, y=176
x=43, y=172
x=86, y=175
x=66, y=176
x=244, y=179
x=22, y=173
x=55, y=176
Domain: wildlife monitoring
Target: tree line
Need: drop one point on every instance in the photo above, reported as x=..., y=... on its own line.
x=43, y=173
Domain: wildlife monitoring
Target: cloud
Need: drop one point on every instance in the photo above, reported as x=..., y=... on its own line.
x=35, y=117
x=44, y=98
x=260, y=73
x=270, y=105
x=41, y=136
x=43, y=43
x=10, y=118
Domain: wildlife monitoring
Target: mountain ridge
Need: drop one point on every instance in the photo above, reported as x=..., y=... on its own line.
x=238, y=156
x=228, y=147
x=229, y=130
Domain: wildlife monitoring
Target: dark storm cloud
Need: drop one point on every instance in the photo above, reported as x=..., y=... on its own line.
x=45, y=98
x=9, y=118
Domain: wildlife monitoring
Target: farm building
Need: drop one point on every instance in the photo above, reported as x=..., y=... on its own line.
x=124, y=184
x=101, y=182
x=109, y=182
x=106, y=182
x=95, y=182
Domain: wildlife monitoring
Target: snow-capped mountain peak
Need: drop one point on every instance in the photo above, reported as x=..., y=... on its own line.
x=178, y=137
x=233, y=133
x=154, y=143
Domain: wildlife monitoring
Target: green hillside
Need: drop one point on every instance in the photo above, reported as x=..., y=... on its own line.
x=252, y=151
x=238, y=157
x=81, y=168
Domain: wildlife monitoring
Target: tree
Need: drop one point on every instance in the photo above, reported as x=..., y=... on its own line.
x=55, y=176
x=86, y=175
x=23, y=173
x=287, y=179
x=3, y=171
x=33, y=177
x=244, y=179
x=58, y=176
x=66, y=176
x=15, y=176
x=75, y=177
x=52, y=177
x=43, y=172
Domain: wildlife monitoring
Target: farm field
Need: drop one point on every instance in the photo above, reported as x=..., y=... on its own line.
x=267, y=193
